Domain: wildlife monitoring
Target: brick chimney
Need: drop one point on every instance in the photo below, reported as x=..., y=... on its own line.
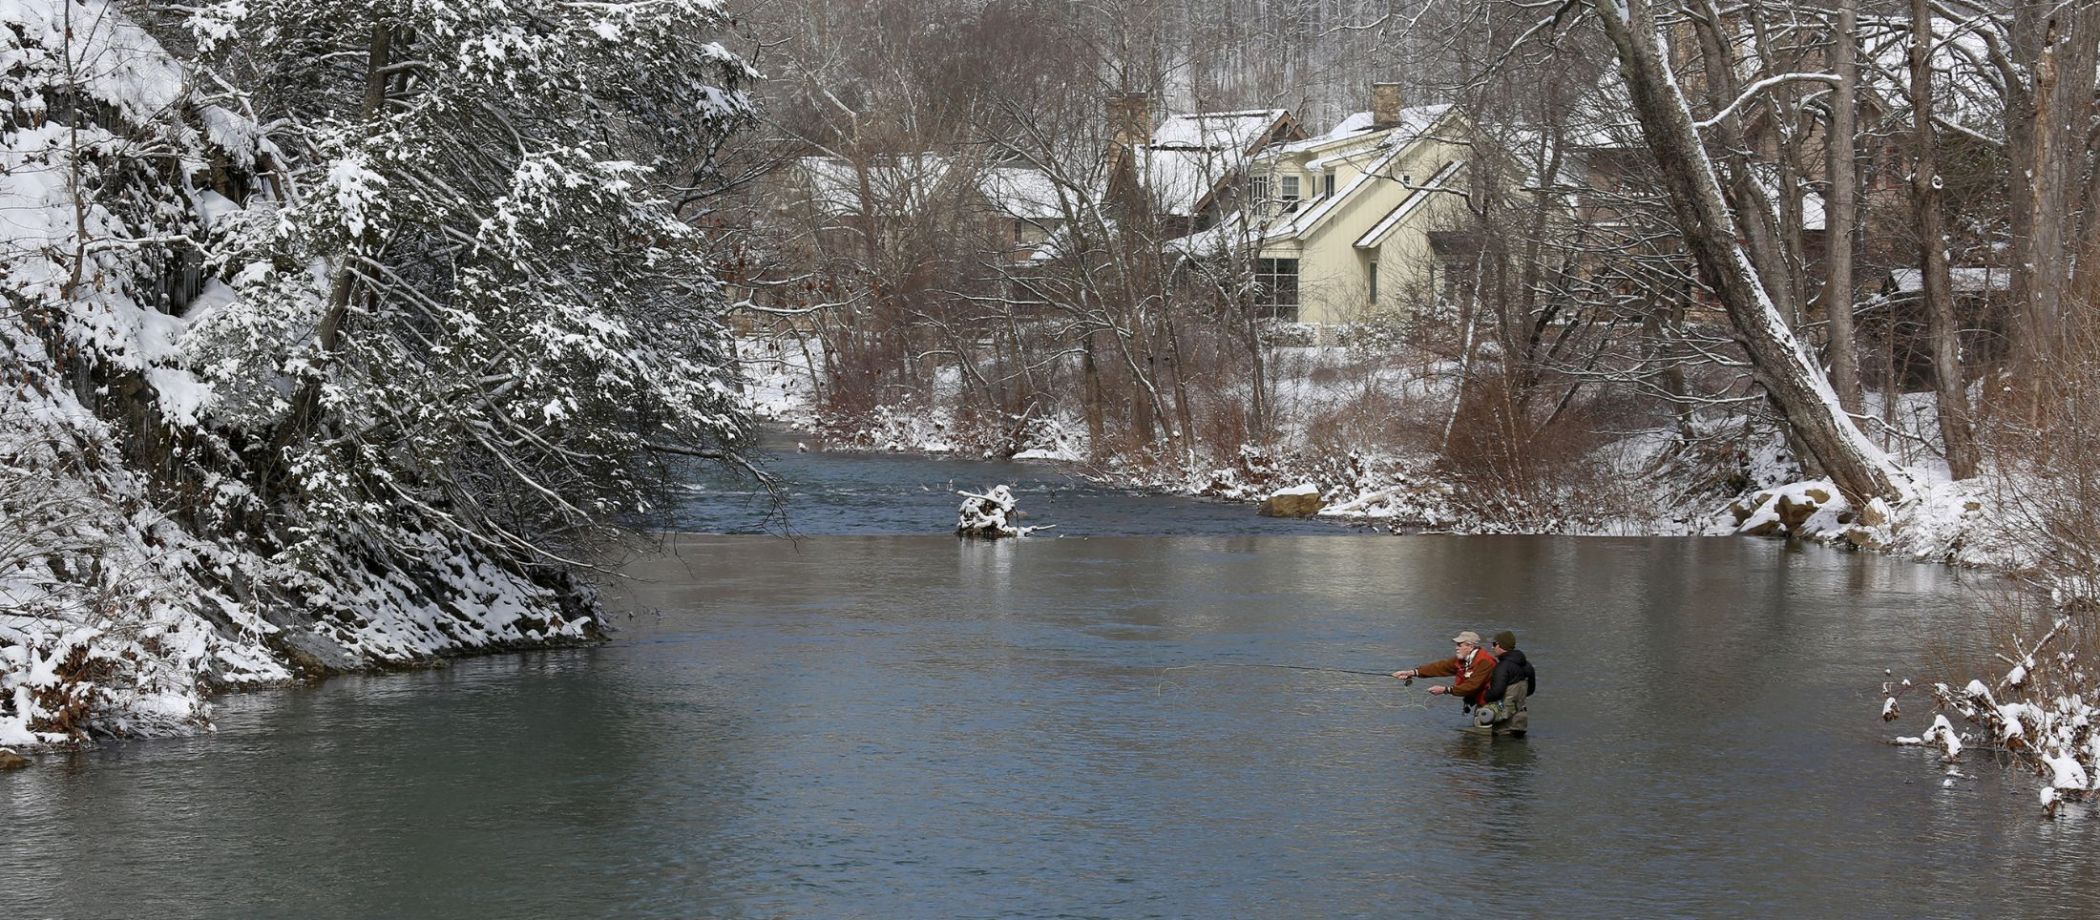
x=1385, y=105
x=1129, y=119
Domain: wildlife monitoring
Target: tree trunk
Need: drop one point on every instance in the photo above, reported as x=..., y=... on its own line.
x=2059, y=46
x=1840, y=211
x=1941, y=327
x=1756, y=226
x=1780, y=364
x=1090, y=369
x=305, y=411
x=1257, y=379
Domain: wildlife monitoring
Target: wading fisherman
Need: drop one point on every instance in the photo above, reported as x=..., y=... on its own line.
x=1470, y=665
x=1512, y=683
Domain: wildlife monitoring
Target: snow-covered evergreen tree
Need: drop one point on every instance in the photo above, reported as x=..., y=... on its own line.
x=479, y=311
x=342, y=343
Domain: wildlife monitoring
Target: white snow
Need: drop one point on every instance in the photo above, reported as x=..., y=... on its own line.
x=989, y=515
x=2066, y=772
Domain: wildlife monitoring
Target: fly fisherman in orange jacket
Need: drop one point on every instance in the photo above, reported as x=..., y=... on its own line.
x=1471, y=665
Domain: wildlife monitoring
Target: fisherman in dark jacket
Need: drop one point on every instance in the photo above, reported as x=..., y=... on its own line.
x=1503, y=706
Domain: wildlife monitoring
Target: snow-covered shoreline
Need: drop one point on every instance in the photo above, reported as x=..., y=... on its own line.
x=1946, y=523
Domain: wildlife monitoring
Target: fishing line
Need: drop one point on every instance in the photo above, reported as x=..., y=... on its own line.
x=1415, y=705
x=1288, y=667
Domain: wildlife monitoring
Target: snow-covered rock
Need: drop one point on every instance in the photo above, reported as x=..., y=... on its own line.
x=990, y=515
x=1302, y=500
x=1796, y=509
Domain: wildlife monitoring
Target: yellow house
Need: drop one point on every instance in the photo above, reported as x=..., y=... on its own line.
x=1366, y=218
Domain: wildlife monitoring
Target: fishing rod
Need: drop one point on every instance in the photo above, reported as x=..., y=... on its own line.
x=1288, y=667
x=1412, y=703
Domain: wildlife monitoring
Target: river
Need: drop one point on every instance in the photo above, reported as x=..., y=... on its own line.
x=877, y=720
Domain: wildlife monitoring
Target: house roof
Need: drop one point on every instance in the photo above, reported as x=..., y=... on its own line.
x=1385, y=145
x=1433, y=186
x=909, y=184
x=1415, y=122
x=1180, y=180
x=1191, y=155
x=1965, y=280
x=1349, y=127
x=901, y=184
x=1023, y=192
x=1241, y=131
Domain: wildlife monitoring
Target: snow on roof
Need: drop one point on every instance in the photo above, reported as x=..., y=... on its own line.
x=1375, y=237
x=1348, y=127
x=1231, y=234
x=1811, y=202
x=1023, y=192
x=1236, y=231
x=1965, y=280
x=1238, y=131
x=1181, y=179
x=900, y=185
x=908, y=185
x=1811, y=211
x=1415, y=122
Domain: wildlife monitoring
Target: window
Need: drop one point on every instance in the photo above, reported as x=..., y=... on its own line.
x=1261, y=188
x=1456, y=283
x=1276, y=288
x=1327, y=184
x=1371, y=280
x=1290, y=189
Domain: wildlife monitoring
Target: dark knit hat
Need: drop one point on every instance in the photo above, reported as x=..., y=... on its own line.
x=1506, y=639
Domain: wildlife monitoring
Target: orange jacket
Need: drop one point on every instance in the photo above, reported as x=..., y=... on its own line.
x=1472, y=675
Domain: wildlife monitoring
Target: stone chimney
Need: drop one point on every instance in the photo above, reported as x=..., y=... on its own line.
x=1129, y=119
x=1385, y=105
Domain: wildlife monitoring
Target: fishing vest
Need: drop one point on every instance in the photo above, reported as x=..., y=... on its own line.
x=1465, y=673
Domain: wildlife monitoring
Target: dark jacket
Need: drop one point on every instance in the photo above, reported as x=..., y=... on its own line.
x=1509, y=669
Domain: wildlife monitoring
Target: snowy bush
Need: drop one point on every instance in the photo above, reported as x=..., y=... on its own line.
x=2040, y=713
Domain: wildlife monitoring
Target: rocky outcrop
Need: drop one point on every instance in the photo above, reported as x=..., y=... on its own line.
x=1795, y=510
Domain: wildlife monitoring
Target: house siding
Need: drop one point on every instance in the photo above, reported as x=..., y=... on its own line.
x=1332, y=269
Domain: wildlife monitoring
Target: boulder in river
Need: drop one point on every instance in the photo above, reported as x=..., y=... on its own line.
x=1296, y=501
x=10, y=760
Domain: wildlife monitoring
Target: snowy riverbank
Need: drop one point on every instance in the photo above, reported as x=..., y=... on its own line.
x=1651, y=483
x=294, y=388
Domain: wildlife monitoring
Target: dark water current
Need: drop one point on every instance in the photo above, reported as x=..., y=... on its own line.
x=897, y=494
x=911, y=726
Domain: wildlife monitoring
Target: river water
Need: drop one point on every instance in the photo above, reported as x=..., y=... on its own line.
x=912, y=726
